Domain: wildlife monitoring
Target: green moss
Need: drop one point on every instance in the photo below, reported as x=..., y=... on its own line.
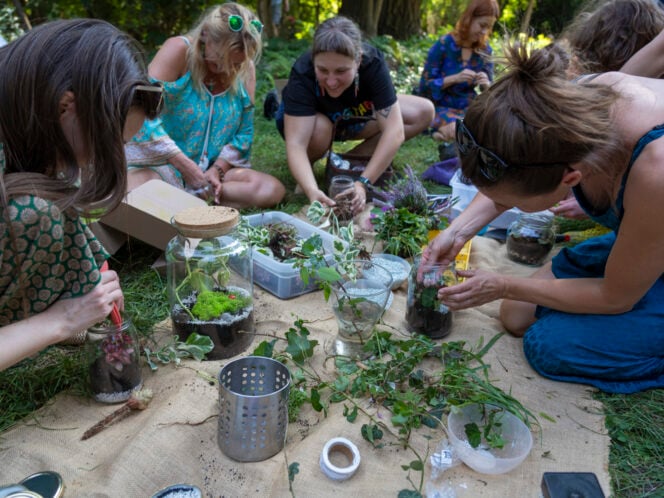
x=211, y=304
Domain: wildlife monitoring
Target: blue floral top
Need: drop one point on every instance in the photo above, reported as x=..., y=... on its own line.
x=185, y=120
x=444, y=59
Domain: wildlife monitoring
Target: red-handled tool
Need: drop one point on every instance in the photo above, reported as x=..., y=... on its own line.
x=115, y=315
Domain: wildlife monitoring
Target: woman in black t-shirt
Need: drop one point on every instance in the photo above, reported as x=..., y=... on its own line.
x=342, y=77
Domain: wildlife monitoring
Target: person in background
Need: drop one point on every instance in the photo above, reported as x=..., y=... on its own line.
x=276, y=7
x=459, y=65
x=607, y=35
x=603, y=39
x=595, y=314
x=340, y=78
x=204, y=135
x=648, y=61
x=63, y=160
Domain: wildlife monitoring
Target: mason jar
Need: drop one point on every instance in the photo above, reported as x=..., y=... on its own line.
x=338, y=185
x=530, y=238
x=425, y=314
x=210, y=280
x=113, y=357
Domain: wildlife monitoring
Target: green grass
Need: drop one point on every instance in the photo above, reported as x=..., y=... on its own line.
x=635, y=422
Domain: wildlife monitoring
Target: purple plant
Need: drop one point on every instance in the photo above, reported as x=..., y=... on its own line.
x=118, y=349
x=406, y=191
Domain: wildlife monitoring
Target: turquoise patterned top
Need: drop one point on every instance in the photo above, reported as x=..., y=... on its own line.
x=185, y=119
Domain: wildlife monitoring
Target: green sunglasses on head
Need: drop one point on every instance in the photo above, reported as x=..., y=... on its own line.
x=236, y=23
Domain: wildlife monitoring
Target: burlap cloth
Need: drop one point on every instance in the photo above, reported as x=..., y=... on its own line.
x=175, y=439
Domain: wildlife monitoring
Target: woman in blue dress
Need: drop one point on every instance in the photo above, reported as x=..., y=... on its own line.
x=458, y=65
x=204, y=135
x=595, y=314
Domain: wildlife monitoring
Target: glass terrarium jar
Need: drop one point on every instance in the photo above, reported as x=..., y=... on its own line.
x=209, y=278
x=113, y=356
x=425, y=314
x=530, y=238
x=338, y=185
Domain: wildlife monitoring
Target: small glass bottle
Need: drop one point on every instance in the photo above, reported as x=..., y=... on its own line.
x=338, y=185
x=530, y=238
x=210, y=280
x=113, y=355
x=425, y=314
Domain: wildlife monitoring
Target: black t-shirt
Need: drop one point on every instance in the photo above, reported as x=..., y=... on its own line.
x=301, y=96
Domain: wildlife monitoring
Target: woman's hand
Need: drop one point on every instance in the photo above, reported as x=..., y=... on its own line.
x=215, y=177
x=482, y=79
x=82, y=312
x=480, y=287
x=465, y=76
x=442, y=249
x=191, y=174
x=319, y=195
x=569, y=208
x=359, y=200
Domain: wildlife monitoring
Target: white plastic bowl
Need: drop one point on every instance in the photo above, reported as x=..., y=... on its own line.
x=398, y=267
x=517, y=436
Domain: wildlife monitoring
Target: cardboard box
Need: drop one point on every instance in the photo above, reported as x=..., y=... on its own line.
x=466, y=193
x=147, y=210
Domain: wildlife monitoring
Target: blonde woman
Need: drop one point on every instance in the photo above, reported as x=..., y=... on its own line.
x=204, y=135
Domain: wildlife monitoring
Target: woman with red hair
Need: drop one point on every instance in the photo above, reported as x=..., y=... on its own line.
x=457, y=64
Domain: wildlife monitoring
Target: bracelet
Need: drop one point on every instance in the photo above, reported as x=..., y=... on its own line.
x=365, y=181
x=220, y=172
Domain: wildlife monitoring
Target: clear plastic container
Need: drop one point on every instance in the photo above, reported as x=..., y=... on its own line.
x=210, y=280
x=530, y=238
x=113, y=355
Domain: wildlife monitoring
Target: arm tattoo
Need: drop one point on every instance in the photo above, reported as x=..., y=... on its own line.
x=385, y=112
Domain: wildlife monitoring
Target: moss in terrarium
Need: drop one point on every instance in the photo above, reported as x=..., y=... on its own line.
x=210, y=304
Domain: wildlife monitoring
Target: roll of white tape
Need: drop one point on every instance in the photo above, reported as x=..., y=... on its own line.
x=339, y=448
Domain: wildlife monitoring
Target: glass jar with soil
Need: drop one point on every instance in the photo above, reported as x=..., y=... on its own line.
x=425, y=314
x=342, y=189
x=210, y=280
x=113, y=355
x=530, y=238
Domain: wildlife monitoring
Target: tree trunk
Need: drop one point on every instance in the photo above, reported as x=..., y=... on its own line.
x=20, y=12
x=366, y=13
x=400, y=19
x=525, y=23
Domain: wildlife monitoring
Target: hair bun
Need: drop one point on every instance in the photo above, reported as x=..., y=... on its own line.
x=549, y=62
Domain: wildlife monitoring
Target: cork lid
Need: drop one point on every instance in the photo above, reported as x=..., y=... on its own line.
x=206, y=221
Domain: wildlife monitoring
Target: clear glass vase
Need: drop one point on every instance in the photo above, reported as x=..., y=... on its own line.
x=358, y=302
x=530, y=238
x=210, y=280
x=424, y=313
x=113, y=356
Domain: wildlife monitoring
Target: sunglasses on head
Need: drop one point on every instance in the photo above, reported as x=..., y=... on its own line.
x=491, y=165
x=150, y=98
x=236, y=23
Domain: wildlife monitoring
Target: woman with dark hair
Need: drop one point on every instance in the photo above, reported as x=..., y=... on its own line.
x=342, y=78
x=459, y=64
x=595, y=314
x=76, y=92
x=203, y=137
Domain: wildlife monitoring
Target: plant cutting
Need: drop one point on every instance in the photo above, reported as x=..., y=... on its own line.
x=404, y=215
x=404, y=386
x=209, y=277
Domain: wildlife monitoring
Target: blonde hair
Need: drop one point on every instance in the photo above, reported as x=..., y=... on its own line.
x=214, y=28
x=533, y=114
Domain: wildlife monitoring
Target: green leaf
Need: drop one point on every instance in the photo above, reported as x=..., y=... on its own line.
x=293, y=470
x=417, y=465
x=328, y=274
x=315, y=400
x=265, y=349
x=371, y=433
x=352, y=415
x=473, y=434
x=299, y=346
x=409, y=493
x=197, y=345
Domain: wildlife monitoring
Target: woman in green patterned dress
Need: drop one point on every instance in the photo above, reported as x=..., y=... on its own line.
x=77, y=91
